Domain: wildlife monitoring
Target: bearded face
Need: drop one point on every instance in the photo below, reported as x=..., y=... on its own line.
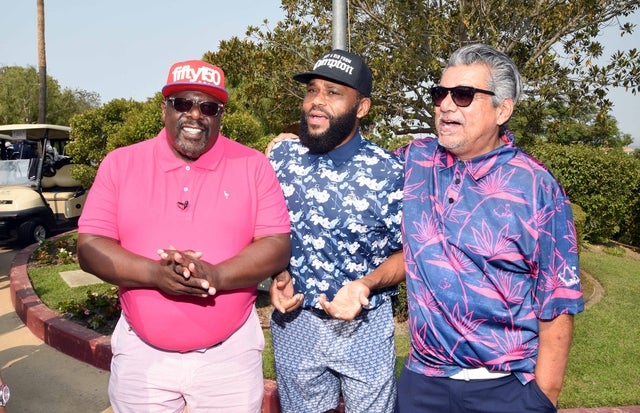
x=339, y=129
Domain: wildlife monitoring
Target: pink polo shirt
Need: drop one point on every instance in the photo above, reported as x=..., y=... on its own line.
x=232, y=196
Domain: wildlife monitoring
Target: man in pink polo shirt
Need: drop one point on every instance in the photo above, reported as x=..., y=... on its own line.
x=186, y=224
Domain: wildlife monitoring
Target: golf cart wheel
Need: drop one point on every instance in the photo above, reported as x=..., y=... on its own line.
x=31, y=231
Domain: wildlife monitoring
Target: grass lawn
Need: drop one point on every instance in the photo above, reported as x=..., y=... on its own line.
x=604, y=366
x=52, y=289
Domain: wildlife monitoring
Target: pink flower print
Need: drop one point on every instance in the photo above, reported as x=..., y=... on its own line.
x=510, y=347
x=502, y=288
x=427, y=231
x=497, y=186
x=455, y=261
x=465, y=324
x=571, y=237
x=501, y=248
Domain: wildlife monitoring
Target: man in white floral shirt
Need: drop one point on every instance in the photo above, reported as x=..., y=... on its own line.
x=333, y=329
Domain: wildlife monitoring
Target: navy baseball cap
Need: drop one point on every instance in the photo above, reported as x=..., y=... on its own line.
x=342, y=67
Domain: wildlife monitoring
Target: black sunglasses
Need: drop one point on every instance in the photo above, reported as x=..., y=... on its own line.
x=207, y=108
x=462, y=95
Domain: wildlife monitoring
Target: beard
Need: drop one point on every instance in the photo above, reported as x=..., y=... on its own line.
x=340, y=127
x=189, y=148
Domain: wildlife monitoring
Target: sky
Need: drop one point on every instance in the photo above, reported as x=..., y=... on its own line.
x=123, y=49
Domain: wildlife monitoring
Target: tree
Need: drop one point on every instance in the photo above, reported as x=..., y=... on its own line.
x=42, y=65
x=260, y=82
x=19, y=101
x=96, y=132
x=407, y=42
x=566, y=125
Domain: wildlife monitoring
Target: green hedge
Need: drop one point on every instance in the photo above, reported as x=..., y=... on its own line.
x=605, y=184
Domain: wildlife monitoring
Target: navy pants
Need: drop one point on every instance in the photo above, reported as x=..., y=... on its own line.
x=422, y=394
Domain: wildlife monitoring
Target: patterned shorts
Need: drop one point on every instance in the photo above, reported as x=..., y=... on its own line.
x=318, y=358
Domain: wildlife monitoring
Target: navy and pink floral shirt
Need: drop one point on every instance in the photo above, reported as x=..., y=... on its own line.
x=345, y=208
x=490, y=248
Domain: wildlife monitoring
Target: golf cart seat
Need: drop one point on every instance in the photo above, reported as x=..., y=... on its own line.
x=59, y=188
x=62, y=180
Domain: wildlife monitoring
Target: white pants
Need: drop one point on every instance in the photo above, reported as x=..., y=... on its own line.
x=224, y=378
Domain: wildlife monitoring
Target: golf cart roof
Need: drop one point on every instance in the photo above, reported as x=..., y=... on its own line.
x=35, y=131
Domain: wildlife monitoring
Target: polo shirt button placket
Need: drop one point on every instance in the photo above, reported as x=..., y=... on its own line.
x=185, y=191
x=453, y=191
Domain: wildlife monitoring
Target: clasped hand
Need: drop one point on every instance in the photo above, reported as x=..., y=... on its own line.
x=185, y=274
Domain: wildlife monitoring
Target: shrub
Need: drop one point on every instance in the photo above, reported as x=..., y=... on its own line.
x=57, y=252
x=241, y=126
x=579, y=219
x=100, y=311
x=400, y=306
x=604, y=183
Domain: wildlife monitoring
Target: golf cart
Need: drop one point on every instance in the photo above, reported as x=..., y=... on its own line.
x=38, y=196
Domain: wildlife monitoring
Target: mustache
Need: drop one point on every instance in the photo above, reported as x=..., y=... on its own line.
x=316, y=108
x=191, y=123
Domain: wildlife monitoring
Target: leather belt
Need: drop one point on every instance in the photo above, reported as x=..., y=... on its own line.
x=478, y=374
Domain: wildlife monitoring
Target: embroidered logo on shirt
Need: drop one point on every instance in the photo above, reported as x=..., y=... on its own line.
x=569, y=276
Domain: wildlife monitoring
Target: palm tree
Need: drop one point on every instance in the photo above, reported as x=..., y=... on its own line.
x=42, y=65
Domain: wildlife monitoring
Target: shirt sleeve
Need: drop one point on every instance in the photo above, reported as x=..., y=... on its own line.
x=558, y=288
x=273, y=216
x=99, y=213
x=394, y=214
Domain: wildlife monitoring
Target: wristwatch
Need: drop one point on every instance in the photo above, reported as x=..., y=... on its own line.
x=5, y=393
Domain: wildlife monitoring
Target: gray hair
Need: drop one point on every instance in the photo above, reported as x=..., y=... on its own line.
x=505, y=80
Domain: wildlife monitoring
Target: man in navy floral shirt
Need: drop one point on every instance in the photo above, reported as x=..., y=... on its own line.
x=333, y=329
x=491, y=252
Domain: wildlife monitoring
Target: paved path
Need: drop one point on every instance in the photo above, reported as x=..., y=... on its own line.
x=41, y=378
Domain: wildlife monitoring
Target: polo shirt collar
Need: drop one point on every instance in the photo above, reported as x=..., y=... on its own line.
x=169, y=161
x=342, y=153
x=482, y=165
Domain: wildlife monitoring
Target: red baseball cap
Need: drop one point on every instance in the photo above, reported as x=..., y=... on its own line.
x=196, y=75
